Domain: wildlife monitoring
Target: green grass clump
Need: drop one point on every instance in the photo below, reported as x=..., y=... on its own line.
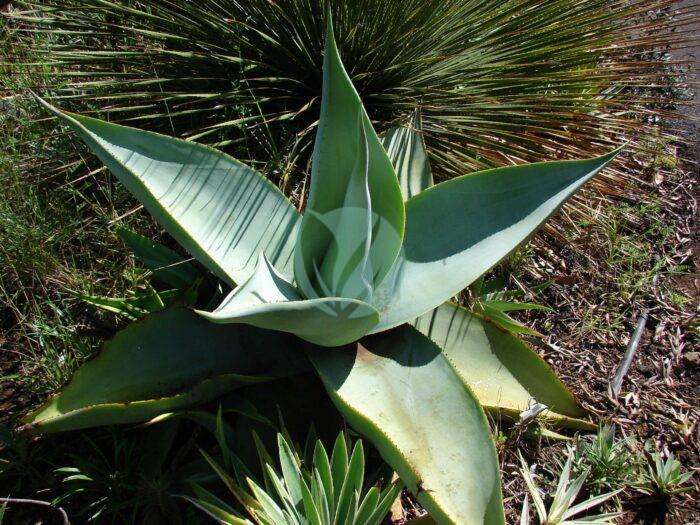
x=629, y=243
x=57, y=239
x=611, y=463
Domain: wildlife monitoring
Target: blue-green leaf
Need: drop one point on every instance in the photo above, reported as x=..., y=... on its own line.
x=221, y=211
x=399, y=390
x=354, y=221
x=406, y=149
x=168, y=361
x=459, y=229
x=267, y=300
x=505, y=374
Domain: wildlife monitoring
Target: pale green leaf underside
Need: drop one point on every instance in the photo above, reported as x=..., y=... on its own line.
x=336, y=247
x=350, y=168
x=406, y=151
x=504, y=373
x=267, y=300
x=221, y=211
x=400, y=392
x=170, y=360
x=459, y=229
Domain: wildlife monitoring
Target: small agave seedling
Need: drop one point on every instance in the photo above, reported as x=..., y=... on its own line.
x=562, y=511
x=331, y=491
x=663, y=478
x=359, y=286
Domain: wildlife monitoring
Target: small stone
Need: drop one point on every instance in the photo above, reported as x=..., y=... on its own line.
x=691, y=359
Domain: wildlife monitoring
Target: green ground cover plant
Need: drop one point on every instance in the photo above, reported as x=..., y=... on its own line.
x=663, y=478
x=350, y=273
x=611, y=462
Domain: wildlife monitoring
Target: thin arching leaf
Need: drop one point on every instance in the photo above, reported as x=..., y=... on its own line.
x=505, y=374
x=167, y=265
x=339, y=468
x=290, y=470
x=267, y=300
x=135, y=306
x=532, y=489
x=400, y=391
x=351, y=484
x=324, y=476
x=310, y=510
x=498, y=210
x=221, y=211
x=215, y=507
x=269, y=506
x=368, y=505
x=384, y=504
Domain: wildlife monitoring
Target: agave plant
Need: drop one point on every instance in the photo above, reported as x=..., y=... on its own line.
x=332, y=490
x=562, y=510
x=663, y=478
x=359, y=288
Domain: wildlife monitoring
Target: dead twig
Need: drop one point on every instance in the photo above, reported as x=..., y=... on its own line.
x=624, y=366
x=46, y=504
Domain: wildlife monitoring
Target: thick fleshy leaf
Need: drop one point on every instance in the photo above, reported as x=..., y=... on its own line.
x=167, y=265
x=458, y=229
x=406, y=149
x=400, y=391
x=354, y=220
x=504, y=373
x=170, y=360
x=267, y=300
x=221, y=211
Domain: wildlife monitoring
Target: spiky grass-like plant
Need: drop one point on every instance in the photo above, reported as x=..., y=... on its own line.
x=562, y=510
x=499, y=82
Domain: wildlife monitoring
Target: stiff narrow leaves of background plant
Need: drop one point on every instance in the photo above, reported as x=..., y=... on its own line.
x=499, y=83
